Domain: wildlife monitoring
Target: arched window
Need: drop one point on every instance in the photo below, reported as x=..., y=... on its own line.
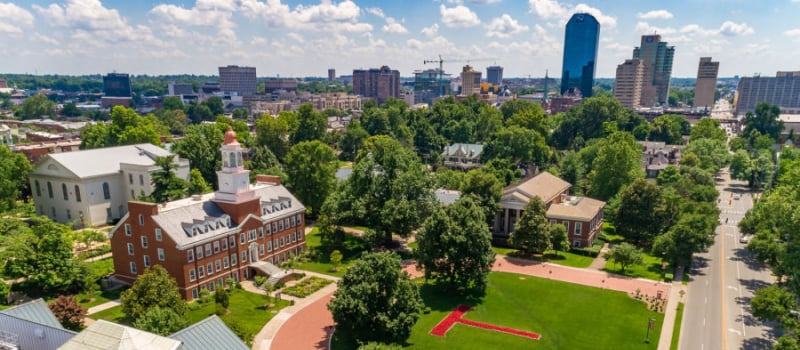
x=77, y=193
x=106, y=191
x=64, y=191
x=38, y=188
x=49, y=189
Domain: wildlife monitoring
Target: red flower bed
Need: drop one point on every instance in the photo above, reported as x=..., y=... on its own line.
x=457, y=316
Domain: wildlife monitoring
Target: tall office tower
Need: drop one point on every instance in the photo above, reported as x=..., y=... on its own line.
x=378, y=83
x=470, y=81
x=659, y=55
x=429, y=85
x=580, y=54
x=628, y=82
x=782, y=90
x=331, y=74
x=705, y=86
x=117, y=85
x=494, y=75
x=241, y=80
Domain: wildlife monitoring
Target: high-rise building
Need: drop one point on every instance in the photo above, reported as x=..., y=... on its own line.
x=470, y=81
x=782, y=90
x=706, y=84
x=378, y=83
x=629, y=81
x=580, y=54
x=331, y=74
x=430, y=84
x=241, y=80
x=117, y=85
x=177, y=89
x=659, y=56
x=494, y=75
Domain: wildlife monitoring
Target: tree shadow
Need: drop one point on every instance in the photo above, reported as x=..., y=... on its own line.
x=753, y=284
x=443, y=297
x=698, y=264
x=765, y=340
x=748, y=259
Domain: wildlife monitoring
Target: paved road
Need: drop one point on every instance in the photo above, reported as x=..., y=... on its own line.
x=717, y=312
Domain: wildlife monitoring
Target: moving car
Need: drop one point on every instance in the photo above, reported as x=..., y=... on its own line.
x=745, y=238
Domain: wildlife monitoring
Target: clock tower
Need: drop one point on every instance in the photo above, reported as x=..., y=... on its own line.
x=233, y=179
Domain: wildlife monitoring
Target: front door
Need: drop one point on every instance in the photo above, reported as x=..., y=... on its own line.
x=253, y=252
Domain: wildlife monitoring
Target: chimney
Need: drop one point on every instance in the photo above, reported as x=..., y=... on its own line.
x=270, y=179
x=563, y=198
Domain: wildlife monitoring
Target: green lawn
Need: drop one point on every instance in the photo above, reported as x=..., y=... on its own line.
x=563, y=258
x=247, y=309
x=568, y=316
x=100, y=297
x=414, y=245
x=320, y=263
x=650, y=269
x=610, y=233
x=676, y=331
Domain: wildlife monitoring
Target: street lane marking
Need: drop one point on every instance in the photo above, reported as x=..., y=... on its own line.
x=734, y=331
x=732, y=287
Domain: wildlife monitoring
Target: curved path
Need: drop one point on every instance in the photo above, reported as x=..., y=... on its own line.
x=309, y=328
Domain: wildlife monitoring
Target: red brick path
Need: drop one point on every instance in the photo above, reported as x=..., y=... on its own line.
x=309, y=328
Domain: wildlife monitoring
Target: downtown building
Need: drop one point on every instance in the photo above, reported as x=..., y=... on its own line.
x=239, y=80
x=377, y=83
x=581, y=40
x=236, y=232
x=643, y=81
x=116, y=90
x=782, y=90
x=705, y=87
x=494, y=75
x=430, y=85
x=470, y=81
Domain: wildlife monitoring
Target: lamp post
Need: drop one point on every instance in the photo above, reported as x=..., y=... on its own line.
x=651, y=323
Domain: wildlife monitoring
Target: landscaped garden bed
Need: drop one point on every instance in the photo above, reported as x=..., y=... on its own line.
x=306, y=287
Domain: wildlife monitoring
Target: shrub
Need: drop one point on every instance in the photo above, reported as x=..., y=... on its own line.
x=307, y=287
x=259, y=280
x=221, y=297
x=68, y=312
x=204, y=295
x=220, y=310
x=668, y=277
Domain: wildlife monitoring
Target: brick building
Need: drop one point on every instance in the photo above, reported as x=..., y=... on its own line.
x=237, y=232
x=378, y=83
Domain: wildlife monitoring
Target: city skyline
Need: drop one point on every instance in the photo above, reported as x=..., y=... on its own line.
x=305, y=38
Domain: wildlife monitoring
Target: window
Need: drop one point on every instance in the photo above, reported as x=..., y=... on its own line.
x=267, y=226
x=146, y=261
x=49, y=189
x=160, y=254
x=566, y=226
x=130, y=179
x=300, y=235
x=552, y=222
x=64, y=191
x=241, y=238
x=130, y=248
x=216, y=247
x=69, y=215
x=576, y=244
x=199, y=253
x=232, y=242
x=141, y=180
x=133, y=197
x=269, y=246
x=192, y=275
x=141, y=220
x=280, y=225
x=53, y=210
x=209, y=269
x=38, y=188
x=194, y=293
x=224, y=244
x=133, y=267
x=190, y=255
x=293, y=222
x=158, y=235
x=208, y=249
x=299, y=219
x=274, y=227
x=77, y=193
x=260, y=249
x=201, y=271
x=281, y=241
x=275, y=243
x=106, y=191
x=251, y=235
x=233, y=259
x=218, y=265
x=244, y=257
x=211, y=286
x=578, y=228
x=294, y=237
x=225, y=262
x=286, y=223
x=144, y=241
x=127, y=229
x=260, y=232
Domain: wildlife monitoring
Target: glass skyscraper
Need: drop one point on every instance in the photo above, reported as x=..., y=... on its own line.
x=580, y=54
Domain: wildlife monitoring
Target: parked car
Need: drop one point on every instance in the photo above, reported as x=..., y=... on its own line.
x=745, y=238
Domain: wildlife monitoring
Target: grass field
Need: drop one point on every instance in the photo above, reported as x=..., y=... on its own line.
x=676, y=332
x=247, y=309
x=568, y=316
x=650, y=269
x=320, y=263
x=562, y=258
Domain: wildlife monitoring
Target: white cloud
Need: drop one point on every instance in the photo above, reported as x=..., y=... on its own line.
x=430, y=31
x=606, y=21
x=296, y=37
x=504, y=26
x=12, y=17
x=375, y=11
x=792, y=32
x=206, y=13
x=392, y=26
x=45, y=39
x=697, y=29
x=646, y=28
x=547, y=8
x=257, y=41
x=655, y=14
x=459, y=16
x=325, y=16
x=477, y=2
x=729, y=28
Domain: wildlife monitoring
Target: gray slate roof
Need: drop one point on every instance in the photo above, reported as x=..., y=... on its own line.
x=35, y=311
x=469, y=150
x=102, y=161
x=209, y=334
x=447, y=197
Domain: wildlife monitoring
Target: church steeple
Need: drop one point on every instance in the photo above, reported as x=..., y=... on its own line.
x=233, y=179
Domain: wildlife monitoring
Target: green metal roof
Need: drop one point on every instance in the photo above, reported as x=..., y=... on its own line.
x=210, y=333
x=35, y=311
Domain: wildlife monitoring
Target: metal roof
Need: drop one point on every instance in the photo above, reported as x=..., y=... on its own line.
x=103, y=161
x=210, y=333
x=104, y=335
x=35, y=311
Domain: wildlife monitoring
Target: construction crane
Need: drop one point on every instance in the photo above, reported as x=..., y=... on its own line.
x=441, y=61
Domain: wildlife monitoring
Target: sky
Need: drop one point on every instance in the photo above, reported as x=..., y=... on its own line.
x=292, y=38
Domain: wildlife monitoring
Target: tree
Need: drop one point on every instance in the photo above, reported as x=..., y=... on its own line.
x=167, y=186
x=38, y=106
x=311, y=168
x=640, y=215
x=455, y=245
x=215, y=105
x=311, y=124
x=764, y=120
x=222, y=297
x=68, y=312
x=559, y=240
x=15, y=168
x=486, y=188
x=618, y=163
x=713, y=154
x=774, y=303
x=519, y=145
x=154, y=288
x=199, y=113
x=197, y=184
x=708, y=128
x=201, y=146
x=512, y=107
x=172, y=103
x=741, y=165
x=688, y=236
x=624, y=254
x=669, y=176
x=127, y=128
x=669, y=128
x=532, y=231
x=70, y=110
x=336, y=259
x=376, y=300
x=274, y=134
x=586, y=121
x=352, y=140
x=161, y=320
x=532, y=119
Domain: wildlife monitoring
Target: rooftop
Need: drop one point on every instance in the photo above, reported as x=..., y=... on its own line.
x=104, y=335
x=107, y=160
x=210, y=333
x=544, y=185
x=35, y=311
x=576, y=208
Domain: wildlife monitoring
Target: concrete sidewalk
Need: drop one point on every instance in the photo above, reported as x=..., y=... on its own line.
x=675, y=296
x=103, y=306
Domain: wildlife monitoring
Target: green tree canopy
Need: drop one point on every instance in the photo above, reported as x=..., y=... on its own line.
x=708, y=128
x=532, y=231
x=273, y=133
x=311, y=124
x=618, y=163
x=161, y=320
x=38, y=106
x=586, y=121
x=624, y=254
x=311, y=168
x=166, y=185
x=764, y=120
x=127, y=128
x=15, y=168
x=640, y=216
x=519, y=145
x=201, y=146
x=352, y=140
x=153, y=288
x=486, y=188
